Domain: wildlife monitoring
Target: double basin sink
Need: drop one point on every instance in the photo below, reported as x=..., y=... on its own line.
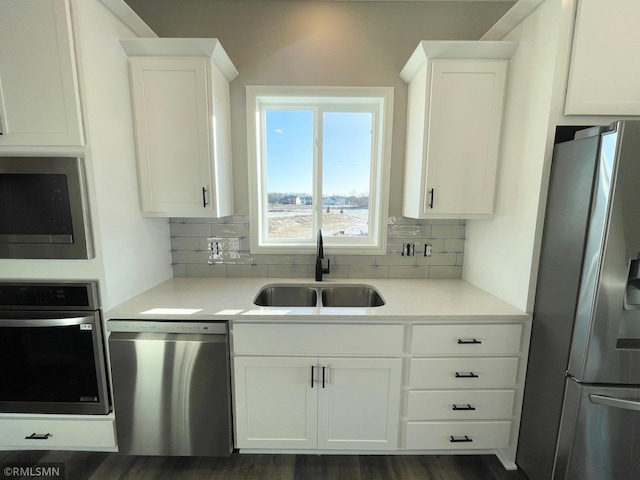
x=284, y=295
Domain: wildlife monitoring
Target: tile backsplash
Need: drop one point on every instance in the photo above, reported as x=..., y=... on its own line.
x=190, y=252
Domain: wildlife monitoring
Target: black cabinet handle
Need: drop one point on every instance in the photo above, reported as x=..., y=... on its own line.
x=323, y=376
x=311, y=376
x=473, y=341
x=466, y=407
x=460, y=440
x=204, y=196
x=466, y=375
x=38, y=436
x=431, y=196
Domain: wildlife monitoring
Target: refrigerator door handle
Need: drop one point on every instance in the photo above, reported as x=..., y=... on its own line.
x=615, y=402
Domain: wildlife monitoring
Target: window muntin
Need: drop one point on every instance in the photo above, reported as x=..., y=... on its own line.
x=319, y=161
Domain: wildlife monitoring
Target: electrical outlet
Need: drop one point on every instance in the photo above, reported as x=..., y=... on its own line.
x=408, y=249
x=427, y=249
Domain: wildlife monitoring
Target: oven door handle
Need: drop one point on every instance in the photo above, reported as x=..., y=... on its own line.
x=47, y=322
x=615, y=402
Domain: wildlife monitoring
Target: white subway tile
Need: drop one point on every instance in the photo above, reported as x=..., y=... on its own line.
x=185, y=256
x=261, y=259
x=414, y=271
x=190, y=229
x=179, y=269
x=453, y=245
x=348, y=260
x=438, y=259
x=205, y=270
x=185, y=243
x=396, y=259
x=305, y=259
x=447, y=231
x=399, y=220
x=230, y=230
x=190, y=251
x=359, y=271
x=286, y=271
x=439, y=271
x=247, y=271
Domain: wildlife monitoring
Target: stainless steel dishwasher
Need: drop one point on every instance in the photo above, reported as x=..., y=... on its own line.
x=171, y=387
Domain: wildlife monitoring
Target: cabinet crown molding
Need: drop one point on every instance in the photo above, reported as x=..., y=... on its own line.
x=456, y=49
x=181, y=47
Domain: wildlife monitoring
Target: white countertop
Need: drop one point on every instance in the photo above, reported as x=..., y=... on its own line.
x=183, y=298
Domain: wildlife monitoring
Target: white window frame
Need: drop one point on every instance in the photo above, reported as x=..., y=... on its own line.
x=340, y=97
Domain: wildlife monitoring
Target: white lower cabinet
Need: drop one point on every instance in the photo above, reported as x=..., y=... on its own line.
x=451, y=386
x=50, y=432
x=464, y=381
x=317, y=402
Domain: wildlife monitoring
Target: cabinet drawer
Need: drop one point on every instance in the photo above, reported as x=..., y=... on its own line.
x=76, y=434
x=298, y=339
x=457, y=435
x=461, y=404
x=466, y=339
x=469, y=372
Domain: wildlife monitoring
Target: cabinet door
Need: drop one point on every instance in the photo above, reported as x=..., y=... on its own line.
x=358, y=403
x=276, y=403
x=172, y=126
x=464, y=126
x=605, y=59
x=39, y=101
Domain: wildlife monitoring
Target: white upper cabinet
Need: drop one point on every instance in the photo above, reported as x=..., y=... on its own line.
x=605, y=59
x=180, y=96
x=39, y=101
x=454, y=119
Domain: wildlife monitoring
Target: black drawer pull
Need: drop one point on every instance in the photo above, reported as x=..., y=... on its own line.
x=466, y=375
x=460, y=440
x=38, y=436
x=465, y=407
x=473, y=341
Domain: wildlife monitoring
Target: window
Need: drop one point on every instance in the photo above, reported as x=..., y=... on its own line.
x=319, y=159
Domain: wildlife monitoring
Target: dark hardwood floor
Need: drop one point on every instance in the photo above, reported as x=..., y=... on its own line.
x=112, y=466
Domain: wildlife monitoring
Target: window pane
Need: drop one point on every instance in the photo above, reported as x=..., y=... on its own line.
x=346, y=175
x=289, y=173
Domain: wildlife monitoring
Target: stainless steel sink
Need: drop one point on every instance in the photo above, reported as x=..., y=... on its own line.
x=309, y=296
x=286, y=296
x=351, y=296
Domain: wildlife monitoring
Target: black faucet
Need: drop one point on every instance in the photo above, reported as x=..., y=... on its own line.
x=320, y=270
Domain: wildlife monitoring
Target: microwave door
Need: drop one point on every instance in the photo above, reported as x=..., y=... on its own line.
x=43, y=208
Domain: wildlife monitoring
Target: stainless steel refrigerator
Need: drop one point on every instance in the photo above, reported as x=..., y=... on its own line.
x=581, y=409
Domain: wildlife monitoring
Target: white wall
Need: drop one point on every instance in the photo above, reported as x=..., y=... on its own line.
x=136, y=251
x=501, y=254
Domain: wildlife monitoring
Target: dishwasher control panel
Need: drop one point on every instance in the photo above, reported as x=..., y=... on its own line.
x=161, y=326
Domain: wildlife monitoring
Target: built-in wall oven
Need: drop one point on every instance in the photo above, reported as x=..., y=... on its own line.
x=52, y=356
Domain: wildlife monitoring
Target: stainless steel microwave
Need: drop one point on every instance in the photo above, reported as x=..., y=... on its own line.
x=44, y=211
